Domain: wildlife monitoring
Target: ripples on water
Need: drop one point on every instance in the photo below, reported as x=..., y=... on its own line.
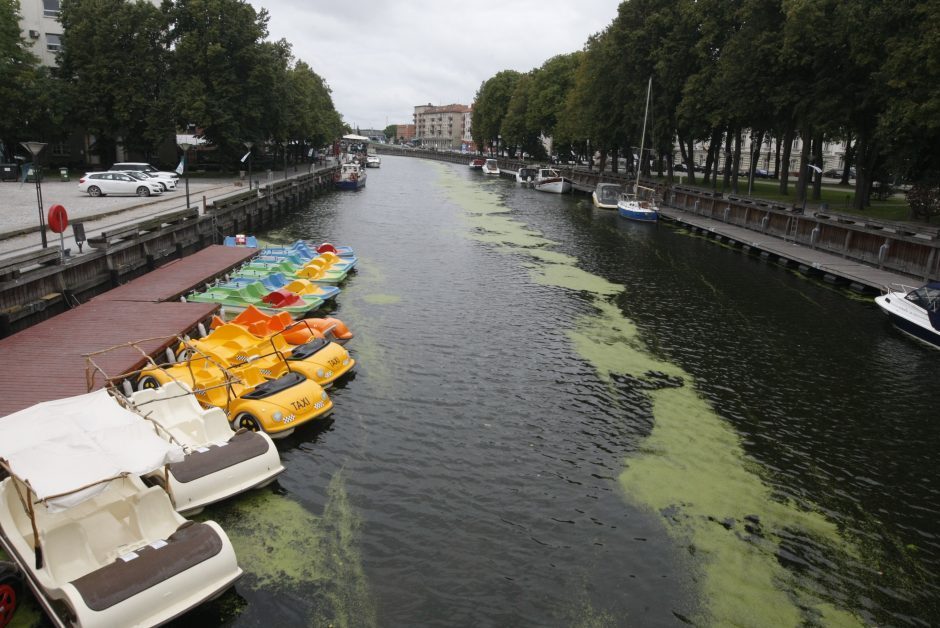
x=480, y=454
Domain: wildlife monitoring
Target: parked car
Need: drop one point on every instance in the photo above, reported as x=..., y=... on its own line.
x=836, y=173
x=760, y=173
x=102, y=183
x=165, y=182
x=139, y=166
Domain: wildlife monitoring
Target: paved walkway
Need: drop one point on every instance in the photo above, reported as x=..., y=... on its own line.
x=19, y=209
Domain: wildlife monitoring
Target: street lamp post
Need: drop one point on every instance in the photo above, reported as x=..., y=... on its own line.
x=34, y=149
x=186, y=146
x=249, y=145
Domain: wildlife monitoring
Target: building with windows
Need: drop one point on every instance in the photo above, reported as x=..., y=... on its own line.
x=444, y=127
x=404, y=133
x=39, y=23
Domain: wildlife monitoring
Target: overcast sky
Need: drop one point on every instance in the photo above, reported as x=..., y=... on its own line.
x=381, y=58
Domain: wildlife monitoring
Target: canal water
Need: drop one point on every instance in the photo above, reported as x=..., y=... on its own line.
x=561, y=418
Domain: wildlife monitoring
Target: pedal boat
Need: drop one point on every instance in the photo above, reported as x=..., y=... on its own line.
x=238, y=298
x=217, y=462
x=276, y=281
x=232, y=345
x=98, y=547
x=295, y=332
x=250, y=399
x=330, y=261
x=314, y=271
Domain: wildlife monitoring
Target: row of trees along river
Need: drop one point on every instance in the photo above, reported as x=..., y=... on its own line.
x=138, y=72
x=863, y=72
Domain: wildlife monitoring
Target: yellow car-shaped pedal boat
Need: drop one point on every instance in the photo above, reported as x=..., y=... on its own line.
x=249, y=398
x=231, y=345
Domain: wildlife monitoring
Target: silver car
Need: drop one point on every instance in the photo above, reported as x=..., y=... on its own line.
x=102, y=183
x=165, y=182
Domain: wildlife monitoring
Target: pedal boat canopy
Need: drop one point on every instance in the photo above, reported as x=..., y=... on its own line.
x=66, y=451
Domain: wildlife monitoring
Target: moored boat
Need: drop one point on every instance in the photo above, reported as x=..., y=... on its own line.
x=217, y=462
x=914, y=311
x=98, y=547
x=527, y=176
x=606, y=195
x=636, y=205
x=549, y=180
x=490, y=167
x=477, y=163
x=373, y=161
x=351, y=176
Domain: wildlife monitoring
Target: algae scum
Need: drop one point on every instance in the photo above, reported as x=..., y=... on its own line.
x=691, y=469
x=306, y=561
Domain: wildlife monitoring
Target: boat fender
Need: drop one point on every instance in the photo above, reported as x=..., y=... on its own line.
x=170, y=356
x=202, y=330
x=128, y=388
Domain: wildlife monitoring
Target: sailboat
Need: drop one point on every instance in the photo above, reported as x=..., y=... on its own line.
x=631, y=205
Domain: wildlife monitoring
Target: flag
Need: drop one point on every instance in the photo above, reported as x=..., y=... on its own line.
x=246, y=156
x=816, y=168
x=182, y=165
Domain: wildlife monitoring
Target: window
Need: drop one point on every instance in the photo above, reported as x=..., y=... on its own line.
x=53, y=42
x=50, y=8
x=60, y=149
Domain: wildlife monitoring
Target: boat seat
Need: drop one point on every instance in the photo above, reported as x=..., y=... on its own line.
x=15, y=508
x=154, y=514
x=67, y=553
x=109, y=529
x=217, y=426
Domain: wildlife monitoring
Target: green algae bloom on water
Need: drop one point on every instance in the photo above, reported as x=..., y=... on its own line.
x=692, y=468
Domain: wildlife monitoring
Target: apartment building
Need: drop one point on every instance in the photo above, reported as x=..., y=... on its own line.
x=444, y=127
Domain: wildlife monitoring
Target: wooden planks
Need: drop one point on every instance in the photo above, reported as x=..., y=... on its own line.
x=173, y=280
x=46, y=360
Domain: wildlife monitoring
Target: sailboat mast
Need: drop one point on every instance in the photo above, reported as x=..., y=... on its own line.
x=639, y=166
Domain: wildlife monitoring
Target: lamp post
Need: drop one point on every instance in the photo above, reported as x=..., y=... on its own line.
x=34, y=149
x=249, y=145
x=186, y=146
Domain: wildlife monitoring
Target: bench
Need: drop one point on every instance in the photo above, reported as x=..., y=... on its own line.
x=104, y=240
x=11, y=267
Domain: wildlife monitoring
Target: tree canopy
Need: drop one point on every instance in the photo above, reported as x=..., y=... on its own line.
x=818, y=70
x=133, y=74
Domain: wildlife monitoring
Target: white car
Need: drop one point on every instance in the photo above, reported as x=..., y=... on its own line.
x=102, y=183
x=165, y=182
x=140, y=166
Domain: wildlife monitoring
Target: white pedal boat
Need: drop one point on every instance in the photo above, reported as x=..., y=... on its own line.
x=96, y=545
x=218, y=463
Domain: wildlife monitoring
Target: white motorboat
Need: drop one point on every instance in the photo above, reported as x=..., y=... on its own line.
x=97, y=546
x=914, y=311
x=373, y=161
x=527, y=176
x=218, y=463
x=549, y=180
x=606, y=195
x=636, y=205
x=490, y=167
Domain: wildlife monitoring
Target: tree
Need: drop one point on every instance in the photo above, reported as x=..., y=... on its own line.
x=113, y=66
x=391, y=131
x=491, y=105
x=217, y=67
x=18, y=76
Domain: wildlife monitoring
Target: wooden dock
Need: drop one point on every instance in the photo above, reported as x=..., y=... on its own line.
x=46, y=361
x=834, y=268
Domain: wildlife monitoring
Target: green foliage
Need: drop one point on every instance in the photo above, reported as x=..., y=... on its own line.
x=924, y=198
x=491, y=105
x=112, y=68
x=391, y=132
x=20, y=80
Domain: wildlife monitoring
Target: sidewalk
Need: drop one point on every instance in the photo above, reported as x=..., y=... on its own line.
x=19, y=209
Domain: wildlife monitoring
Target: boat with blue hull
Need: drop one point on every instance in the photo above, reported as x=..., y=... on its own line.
x=351, y=176
x=914, y=311
x=635, y=205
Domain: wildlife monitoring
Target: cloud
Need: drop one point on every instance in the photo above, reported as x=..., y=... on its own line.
x=382, y=58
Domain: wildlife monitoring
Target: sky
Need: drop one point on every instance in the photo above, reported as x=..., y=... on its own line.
x=381, y=58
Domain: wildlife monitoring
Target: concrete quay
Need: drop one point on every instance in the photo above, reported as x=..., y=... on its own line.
x=19, y=209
